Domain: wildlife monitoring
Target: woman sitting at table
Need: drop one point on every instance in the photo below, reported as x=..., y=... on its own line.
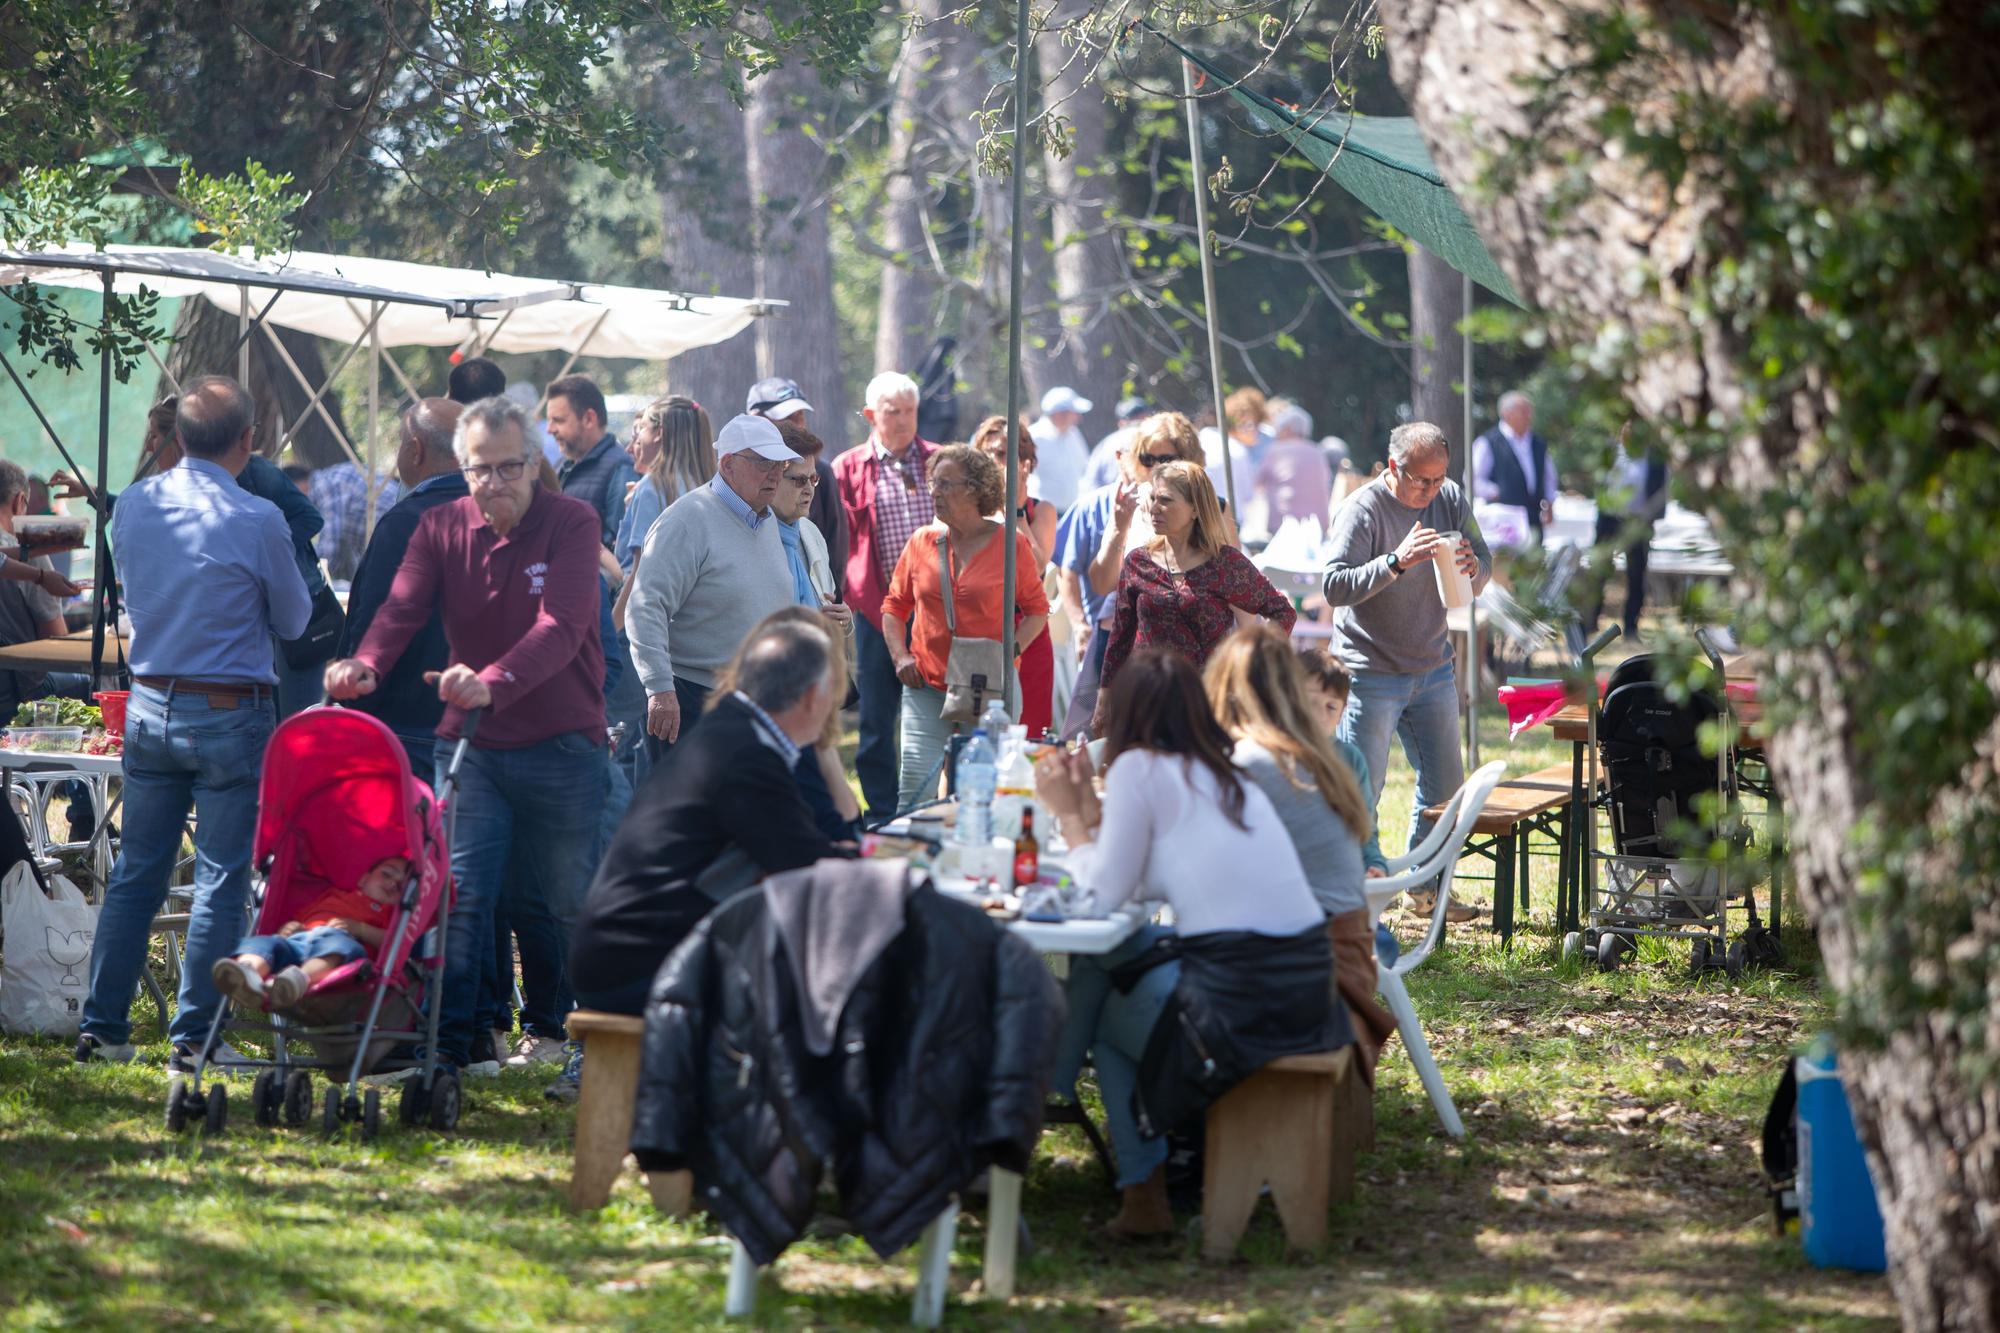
x=1245, y=975
x=1258, y=689
x=1187, y=588
x=916, y=626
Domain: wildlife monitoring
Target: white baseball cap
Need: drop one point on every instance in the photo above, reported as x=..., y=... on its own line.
x=753, y=435
x=1064, y=399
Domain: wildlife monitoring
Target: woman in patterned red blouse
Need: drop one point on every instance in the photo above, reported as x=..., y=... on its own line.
x=1187, y=588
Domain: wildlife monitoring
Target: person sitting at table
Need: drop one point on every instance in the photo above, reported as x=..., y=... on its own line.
x=1258, y=690
x=1246, y=971
x=1187, y=587
x=965, y=487
x=722, y=810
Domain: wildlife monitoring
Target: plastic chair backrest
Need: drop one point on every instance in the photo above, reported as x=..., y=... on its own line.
x=1435, y=859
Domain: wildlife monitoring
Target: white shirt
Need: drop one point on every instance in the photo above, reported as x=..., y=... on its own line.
x=1165, y=836
x=1060, y=457
x=1483, y=484
x=1240, y=461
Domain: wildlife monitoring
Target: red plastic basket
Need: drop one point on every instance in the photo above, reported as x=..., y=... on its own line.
x=112, y=704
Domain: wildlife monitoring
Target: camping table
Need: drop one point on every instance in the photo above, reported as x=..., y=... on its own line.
x=95, y=769
x=68, y=652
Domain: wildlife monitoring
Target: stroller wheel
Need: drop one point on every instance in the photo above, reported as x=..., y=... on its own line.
x=266, y=1096
x=371, y=1115
x=1736, y=960
x=1572, y=945
x=329, y=1114
x=1611, y=946
x=413, y=1106
x=298, y=1097
x=444, y=1100
x=215, y=1117
x=1698, y=957
x=177, y=1107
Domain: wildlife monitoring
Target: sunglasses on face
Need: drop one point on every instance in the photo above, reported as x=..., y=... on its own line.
x=805, y=483
x=485, y=472
x=1156, y=460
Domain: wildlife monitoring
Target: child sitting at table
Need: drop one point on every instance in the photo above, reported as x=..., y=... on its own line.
x=1328, y=683
x=340, y=926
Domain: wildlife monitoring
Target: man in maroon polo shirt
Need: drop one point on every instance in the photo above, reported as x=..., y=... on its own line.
x=512, y=569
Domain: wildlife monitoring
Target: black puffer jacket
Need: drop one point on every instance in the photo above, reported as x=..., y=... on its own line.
x=1242, y=1001
x=838, y=1014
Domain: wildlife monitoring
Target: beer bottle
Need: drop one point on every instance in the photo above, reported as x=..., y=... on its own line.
x=1027, y=852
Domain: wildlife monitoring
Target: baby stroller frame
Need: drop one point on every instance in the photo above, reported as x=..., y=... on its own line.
x=283, y=1085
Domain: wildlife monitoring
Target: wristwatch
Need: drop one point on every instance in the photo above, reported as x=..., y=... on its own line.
x=1395, y=565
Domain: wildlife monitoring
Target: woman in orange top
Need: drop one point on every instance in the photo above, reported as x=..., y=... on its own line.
x=965, y=487
x=1038, y=521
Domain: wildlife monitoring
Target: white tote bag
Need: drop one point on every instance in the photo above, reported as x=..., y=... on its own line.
x=44, y=955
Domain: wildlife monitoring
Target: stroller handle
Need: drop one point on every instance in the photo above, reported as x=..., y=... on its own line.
x=466, y=730
x=1600, y=642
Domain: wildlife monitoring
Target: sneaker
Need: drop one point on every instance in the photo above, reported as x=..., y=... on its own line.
x=569, y=1084
x=186, y=1054
x=1458, y=913
x=484, y=1060
x=288, y=987
x=533, y=1050
x=239, y=982
x=89, y=1050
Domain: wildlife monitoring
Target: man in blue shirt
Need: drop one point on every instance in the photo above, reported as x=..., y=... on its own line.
x=594, y=468
x=210, y=576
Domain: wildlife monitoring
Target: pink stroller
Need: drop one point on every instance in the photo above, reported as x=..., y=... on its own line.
x=335, y=778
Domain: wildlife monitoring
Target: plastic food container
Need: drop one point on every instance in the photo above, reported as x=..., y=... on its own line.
x=41, y=533
x=52, y=740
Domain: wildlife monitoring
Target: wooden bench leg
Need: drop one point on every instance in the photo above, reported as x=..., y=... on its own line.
x=1271, y=1128
x=672, y=1191
x=1353, y=1131
x=604, y=1107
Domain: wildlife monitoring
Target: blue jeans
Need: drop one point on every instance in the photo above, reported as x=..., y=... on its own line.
x=180, y=753
x=926, y=740
x=1113, y=1028
x=1423, y=711
x=299, y=688
x=540, y=802
x=876, y=758
x=283, y=951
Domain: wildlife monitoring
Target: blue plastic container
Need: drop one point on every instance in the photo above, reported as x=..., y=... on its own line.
x=1841, y=1223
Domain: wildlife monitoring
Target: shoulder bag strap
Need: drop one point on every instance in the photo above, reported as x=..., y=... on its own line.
x=944, y=582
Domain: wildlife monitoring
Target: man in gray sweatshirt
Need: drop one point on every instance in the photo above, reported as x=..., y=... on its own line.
x=1390, y=617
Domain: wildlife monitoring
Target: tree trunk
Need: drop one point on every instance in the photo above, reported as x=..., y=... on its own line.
x=205, y=341
x=788, y=183
x=1088, y=274
x=710, y=238
x=1932, y=1134
x=1437, y=352
x=908, y=307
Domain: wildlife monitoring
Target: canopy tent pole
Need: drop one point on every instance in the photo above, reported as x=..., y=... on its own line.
x=369, y=480
x=1208, y=286
x=570, y=364
x=415, y=395
x=243, y=335
x=313, y=403
x=101, y=561
x=1009, y=576
x=1474, y=665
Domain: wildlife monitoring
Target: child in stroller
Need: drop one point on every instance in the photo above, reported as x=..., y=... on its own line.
x=340, y=926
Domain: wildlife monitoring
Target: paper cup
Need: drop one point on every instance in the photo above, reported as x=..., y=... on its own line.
x=1454, y=587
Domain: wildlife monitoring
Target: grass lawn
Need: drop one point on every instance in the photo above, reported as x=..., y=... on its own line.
x=1610, y=1179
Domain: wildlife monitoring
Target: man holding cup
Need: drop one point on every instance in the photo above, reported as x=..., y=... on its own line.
x=1390, y=614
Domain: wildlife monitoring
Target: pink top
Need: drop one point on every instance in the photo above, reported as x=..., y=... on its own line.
x=520, y=609
x=1295, y=481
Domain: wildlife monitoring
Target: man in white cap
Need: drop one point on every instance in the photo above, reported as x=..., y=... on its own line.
x=712, y=568
x=1061, y=453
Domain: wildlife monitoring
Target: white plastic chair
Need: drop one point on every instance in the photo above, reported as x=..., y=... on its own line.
x=1432, y=859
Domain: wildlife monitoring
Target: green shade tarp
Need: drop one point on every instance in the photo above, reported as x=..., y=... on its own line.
x=1382, y=161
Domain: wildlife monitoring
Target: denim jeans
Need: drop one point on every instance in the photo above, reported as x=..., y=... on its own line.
x=1089, y=676
x=422, y=747
x=299, y=688
x=180, y=753
x=926, y=739
x=283, y=951
x=540, y=802
x=876, y=758
x=1423, y=711
x=1113, y=1027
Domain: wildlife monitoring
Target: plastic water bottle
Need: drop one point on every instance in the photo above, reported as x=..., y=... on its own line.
x=994, y=721
x=978, y=775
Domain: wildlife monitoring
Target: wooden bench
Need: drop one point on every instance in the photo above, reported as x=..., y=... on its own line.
x=1279, y=1128
x=1539, y=801
x=604, y=1106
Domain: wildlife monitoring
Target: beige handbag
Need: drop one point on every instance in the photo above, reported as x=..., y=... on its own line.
x=975, y=673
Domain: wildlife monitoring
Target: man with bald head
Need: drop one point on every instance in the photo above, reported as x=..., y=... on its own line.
x=428, y=471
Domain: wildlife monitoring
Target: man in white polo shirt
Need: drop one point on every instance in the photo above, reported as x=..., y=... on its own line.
x=712, y=569
x=1061, y=452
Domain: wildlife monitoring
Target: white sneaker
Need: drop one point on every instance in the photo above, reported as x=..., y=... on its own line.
x=481, y=1069
x=532, y=1050
x=89, y=1050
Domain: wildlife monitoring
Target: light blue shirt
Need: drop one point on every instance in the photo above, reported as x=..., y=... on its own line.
x=644, y=509
x=770, y=732
x=1078, y=536
x=751, y=518
x=208, y=574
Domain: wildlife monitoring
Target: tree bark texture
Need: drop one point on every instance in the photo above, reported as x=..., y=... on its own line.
x=710, y=238
x=1437, y=348
x=1467, y=70
x=908, y=305
x=794, y=262
x=1091, y=354
x=205, y=341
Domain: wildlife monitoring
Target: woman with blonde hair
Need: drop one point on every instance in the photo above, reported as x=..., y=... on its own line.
x=1182, y=589
x=673, y=446
x=822, y=781
x=1258, y=689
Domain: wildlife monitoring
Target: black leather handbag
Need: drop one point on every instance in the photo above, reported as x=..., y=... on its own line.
x=322, y=634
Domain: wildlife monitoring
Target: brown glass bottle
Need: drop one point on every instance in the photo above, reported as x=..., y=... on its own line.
x=1027, y=851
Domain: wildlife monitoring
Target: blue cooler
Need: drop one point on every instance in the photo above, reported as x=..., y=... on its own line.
x=1841, y=1223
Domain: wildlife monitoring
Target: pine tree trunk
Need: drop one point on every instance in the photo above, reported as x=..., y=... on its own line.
x=908, y=306
x=205, y=342
x=1437, y=351
x=1932, y=1136
x=710, y=238
x=788, y=182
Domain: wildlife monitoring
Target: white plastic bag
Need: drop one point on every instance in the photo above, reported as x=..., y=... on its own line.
x=45, y=966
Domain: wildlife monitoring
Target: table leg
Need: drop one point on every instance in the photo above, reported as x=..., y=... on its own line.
x=1003, y=1231
x=1503, y=888
x=1781, y=856
x=1564, y=921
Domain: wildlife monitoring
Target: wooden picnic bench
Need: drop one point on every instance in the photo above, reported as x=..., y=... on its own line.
x=1280, y=1127
x=1518, y=808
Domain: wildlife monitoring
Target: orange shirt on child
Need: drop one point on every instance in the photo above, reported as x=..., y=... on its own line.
x=352, y=904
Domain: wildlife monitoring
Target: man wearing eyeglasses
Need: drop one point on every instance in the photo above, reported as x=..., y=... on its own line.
x=512, y=568
x=713, y=567
x=1390, y=617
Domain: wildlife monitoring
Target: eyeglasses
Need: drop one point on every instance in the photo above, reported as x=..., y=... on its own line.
x=485, y=472
x=806, y=482
x=1424, y=483
x=941, y=487
x=1156, y=460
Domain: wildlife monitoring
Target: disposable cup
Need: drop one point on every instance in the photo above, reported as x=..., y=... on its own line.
x=1454, y=586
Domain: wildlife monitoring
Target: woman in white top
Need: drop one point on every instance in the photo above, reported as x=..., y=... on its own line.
x=1179, y=823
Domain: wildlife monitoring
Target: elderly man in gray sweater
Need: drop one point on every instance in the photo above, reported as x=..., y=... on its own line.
x=713, y=567
x=1390, y=617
